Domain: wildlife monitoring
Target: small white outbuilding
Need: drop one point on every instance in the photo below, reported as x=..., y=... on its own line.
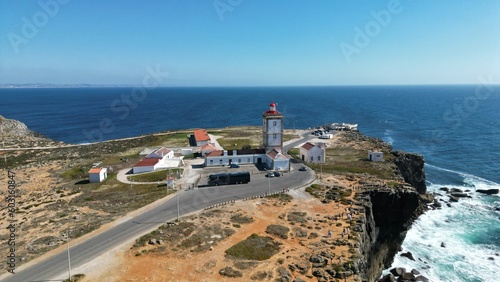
x=98, y=174
x=375, y=156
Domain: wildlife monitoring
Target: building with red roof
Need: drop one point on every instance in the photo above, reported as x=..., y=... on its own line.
x=98, y=174
x=313, y=153
x=201, y=137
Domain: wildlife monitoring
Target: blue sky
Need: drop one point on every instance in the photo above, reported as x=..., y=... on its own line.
x=250, y=42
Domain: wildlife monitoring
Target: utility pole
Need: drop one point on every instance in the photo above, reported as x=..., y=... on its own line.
x=178, y=209
x=69, y=259
x=269, y=190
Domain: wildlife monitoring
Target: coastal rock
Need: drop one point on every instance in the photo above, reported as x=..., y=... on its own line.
x=446, y=189
x=398, y=271
x=389, y=214
x=407, y=276
x=11, y=127
x=453, y=199
x=422, y=278
x=411, y=167
x=388, y=278
x=460, y=195
x=488, y=191
x=408, y=255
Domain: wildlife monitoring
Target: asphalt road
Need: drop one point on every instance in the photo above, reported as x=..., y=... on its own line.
x=189, y=201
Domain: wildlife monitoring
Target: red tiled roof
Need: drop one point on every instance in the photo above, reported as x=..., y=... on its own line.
x=208, y=147
x=308, y=146
x=95, y=170
x=201, y=135
x=147, y=162
x=275, y=154
x=215, y=153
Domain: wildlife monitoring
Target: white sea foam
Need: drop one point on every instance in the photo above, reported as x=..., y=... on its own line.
x=469, y=230
x=388, y=136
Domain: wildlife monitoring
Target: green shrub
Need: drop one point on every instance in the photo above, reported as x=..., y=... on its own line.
x=254, y=247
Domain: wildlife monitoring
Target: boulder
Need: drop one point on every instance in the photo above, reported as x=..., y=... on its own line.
x=422, y=278
x=453, y=199
x=230, y=272
x=488, y=191
x=415, y=272
x=407, y=276
x=318, y=273
x=318, y=261
x=398, y=271
x=443, y=245
x=460, y=195
x=444, y=189
x=453, y=190
x=387, y=278
x=408, y=255
x=343, y=274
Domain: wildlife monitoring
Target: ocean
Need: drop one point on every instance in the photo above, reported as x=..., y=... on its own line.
x=455, y=127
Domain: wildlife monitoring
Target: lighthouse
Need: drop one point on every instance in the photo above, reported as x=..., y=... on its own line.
x=272, y=129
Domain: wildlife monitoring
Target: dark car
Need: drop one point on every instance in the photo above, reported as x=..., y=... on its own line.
x=303, y=168
x=235, y=166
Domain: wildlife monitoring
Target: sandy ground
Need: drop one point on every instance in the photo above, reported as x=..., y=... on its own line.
x=124, y=265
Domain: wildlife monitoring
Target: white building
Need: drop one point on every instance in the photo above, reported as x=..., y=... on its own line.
x=313, y=153
x=375, y=156
x=159, y=158
x=146, y=165
x=207, y=149
x=272, y=143
x=224, y=157
x=98, y=174
x=201, y=137
x=277, y=161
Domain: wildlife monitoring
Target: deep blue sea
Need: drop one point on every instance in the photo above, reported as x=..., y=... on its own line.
x=456, y=128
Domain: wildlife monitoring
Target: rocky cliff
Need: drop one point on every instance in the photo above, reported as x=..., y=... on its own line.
x=411, y=167
x=10, y=127
x=389, y=214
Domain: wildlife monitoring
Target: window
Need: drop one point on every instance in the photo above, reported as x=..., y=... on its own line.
x=312, y=159
x=274, y=123
x=319, y=158
x=248, y=160
x=274, y=136
x=220, y=161
x=239, y=160
x=211, y=161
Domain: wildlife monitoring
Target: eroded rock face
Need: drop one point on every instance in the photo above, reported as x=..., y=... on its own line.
x=411, y=167
x=12, y=127
x=389, y=214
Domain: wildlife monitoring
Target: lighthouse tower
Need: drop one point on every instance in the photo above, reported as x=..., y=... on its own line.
x=272, y=129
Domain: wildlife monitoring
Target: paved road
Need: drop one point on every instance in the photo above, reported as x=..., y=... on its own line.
x=189, y=201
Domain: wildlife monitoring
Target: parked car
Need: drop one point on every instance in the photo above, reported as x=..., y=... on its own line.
x=270, y=174
x=235, y=165
x=303, y=168
x=277, y=173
